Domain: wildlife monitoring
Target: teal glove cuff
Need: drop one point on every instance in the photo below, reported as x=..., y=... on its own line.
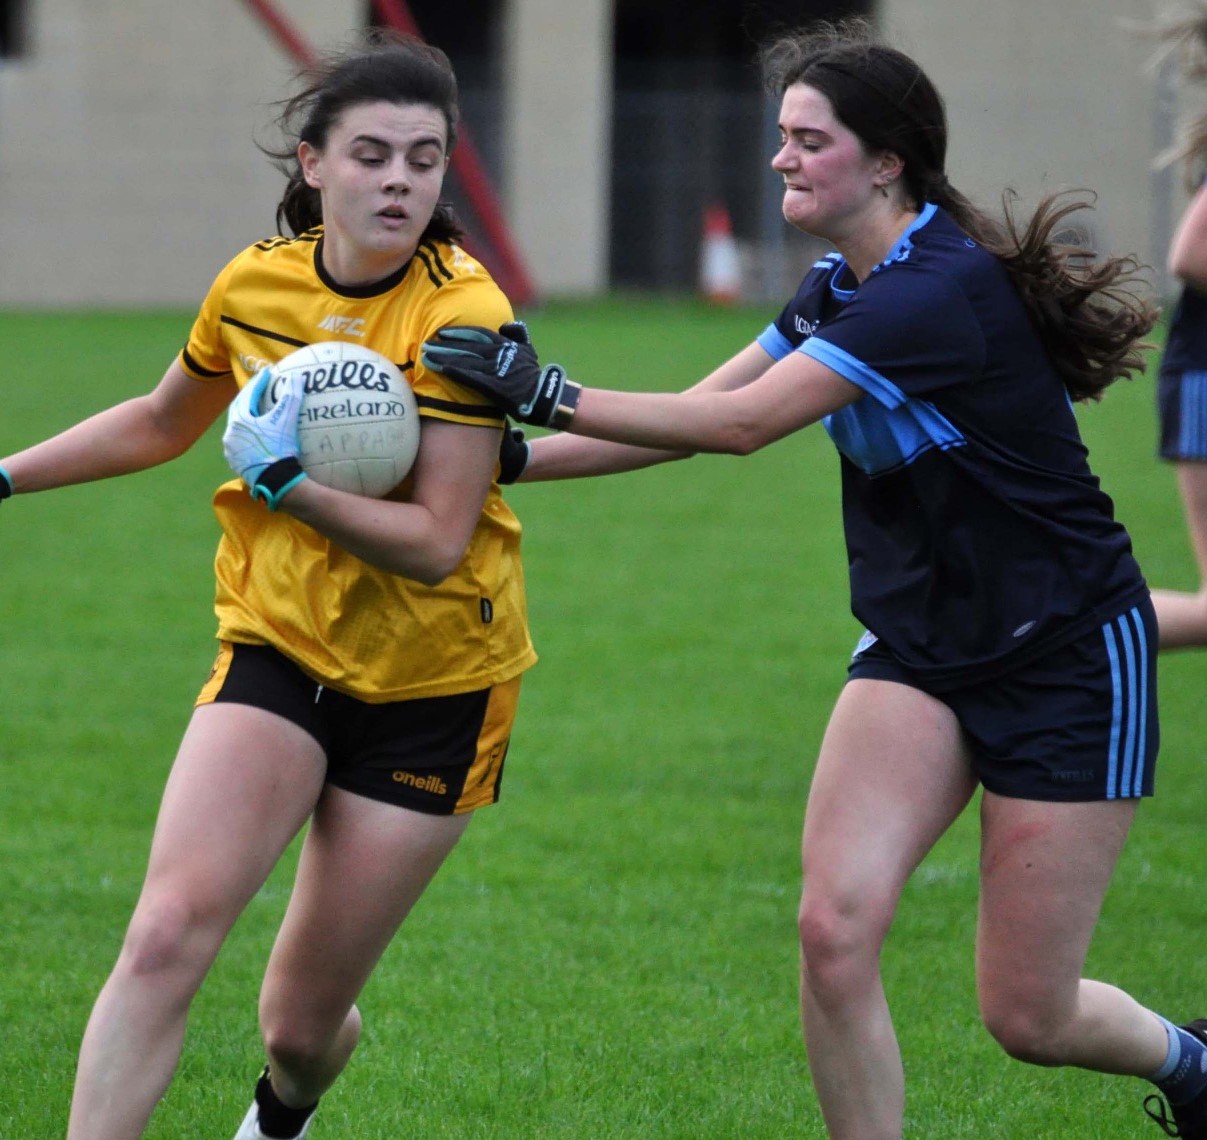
x=276, y=481
x=6, y=484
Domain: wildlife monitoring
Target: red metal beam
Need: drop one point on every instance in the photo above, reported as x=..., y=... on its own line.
x=277, y=23
x=475, y=183
x=507, y=265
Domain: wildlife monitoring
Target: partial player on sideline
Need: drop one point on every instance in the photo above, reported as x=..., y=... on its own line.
x=1182, y=378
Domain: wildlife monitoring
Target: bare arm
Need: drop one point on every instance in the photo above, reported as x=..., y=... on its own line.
x=131, y=436
x=1188, y=251
x=426, y=537
x=791, y=394
x=569, y=456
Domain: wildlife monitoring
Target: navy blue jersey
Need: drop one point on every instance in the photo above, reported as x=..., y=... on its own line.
x=1186, y=346
x=976, y=533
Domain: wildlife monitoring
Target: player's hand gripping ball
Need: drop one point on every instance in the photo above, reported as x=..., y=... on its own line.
x=262, y=447
x=358, y=423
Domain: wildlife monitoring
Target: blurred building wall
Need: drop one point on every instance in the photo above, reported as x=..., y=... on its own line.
x=558, y=74
x=1049, y=95
x=129, y=172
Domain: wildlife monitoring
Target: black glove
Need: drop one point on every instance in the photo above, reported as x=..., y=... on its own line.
x=504, y=366
x=6, y=483
x=514, y=453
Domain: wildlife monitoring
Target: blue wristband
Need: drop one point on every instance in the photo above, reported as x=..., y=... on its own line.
x=6, y=484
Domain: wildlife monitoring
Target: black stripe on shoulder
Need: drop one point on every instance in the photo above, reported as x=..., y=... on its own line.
x=195, y=367
x=486, y=411
x=422, y=254
x=434, y=250
x=268, y=333
x=281, y=239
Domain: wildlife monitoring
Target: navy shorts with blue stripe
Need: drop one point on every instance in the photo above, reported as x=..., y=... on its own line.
x=1182, y=408
x=1078, y=724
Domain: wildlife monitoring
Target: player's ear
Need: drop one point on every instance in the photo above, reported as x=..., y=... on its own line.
x=889, y=167
x=308, y=160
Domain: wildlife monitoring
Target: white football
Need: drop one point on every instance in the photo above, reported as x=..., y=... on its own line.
x=359, y=425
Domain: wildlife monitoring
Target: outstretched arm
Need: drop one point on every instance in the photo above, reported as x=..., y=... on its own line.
x=131, y=436
x=571, y=457
x=796, y=391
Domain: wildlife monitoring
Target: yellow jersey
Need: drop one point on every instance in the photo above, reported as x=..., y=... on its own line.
x=362, y=631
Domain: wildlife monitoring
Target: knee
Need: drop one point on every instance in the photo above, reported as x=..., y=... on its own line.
x=164, y=936
x=840, y=940
x=297, y=1039
x=1026, y=1030
x=292, y=1044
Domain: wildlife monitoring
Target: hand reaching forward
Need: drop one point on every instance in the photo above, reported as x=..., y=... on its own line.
x=504, y=367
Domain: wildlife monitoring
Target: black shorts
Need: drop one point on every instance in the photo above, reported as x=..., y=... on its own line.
x=439, y=755
x=1182, y=410
x=1077, y=724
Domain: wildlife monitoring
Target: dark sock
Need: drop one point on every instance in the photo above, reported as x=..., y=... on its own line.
x=276, y=1119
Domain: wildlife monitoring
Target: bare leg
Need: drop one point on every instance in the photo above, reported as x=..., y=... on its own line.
x=1182, y=617
x=363, y=866
x=892, y=776
x=1045, y=868
x=243, y=783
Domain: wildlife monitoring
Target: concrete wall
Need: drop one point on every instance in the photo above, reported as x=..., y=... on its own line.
x=128, y=170
x=129, y=174
x=1046, y=95
x=128, y=167
x=558, y=124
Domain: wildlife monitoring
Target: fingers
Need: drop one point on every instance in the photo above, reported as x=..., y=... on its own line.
x=517, y=331
x=470, y=334
x=259, y=385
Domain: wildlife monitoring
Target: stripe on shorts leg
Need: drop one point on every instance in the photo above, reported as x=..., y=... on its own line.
x=1127, y=755
x=1129, y=705
x=1141, y=696
x=1112, y=764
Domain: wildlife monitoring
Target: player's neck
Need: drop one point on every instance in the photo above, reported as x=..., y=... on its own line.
x=869, y=243
x=354, y=267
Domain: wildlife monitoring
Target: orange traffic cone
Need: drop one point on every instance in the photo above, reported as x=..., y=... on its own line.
x=720, y=270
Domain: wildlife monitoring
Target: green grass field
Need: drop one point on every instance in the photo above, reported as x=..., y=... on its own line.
x=611, y=953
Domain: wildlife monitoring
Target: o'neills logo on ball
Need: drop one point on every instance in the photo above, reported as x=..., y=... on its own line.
x=352, y=409
x=349, y=375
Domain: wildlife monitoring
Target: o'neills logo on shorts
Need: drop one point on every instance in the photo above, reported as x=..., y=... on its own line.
x=424, y=783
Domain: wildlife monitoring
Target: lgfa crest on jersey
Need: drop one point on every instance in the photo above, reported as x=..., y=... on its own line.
x=462, y=260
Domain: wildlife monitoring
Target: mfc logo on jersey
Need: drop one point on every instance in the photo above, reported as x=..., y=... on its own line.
x=351, y=326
